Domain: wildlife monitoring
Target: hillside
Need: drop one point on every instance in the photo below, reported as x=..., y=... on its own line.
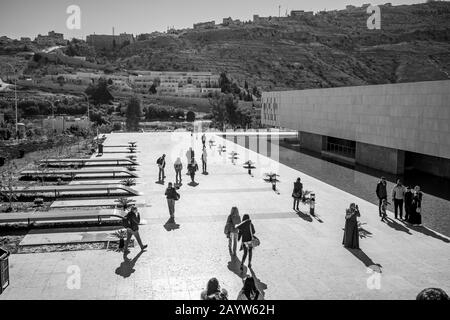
x=326, y=50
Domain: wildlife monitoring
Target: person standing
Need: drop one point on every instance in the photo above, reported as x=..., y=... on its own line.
x=249, y=290
x=416, y=207
x=381, y=192
x=131, y=223
x=213, y=291
x=189, y=157
x=204, y=160
x=161, y=165
x=204, y=141
x=351, y=233
x=172, y=195
x=246, y=232
x=408, y=203
x=178, y=167
x=297, y=193
x=398, y=194
x=231, y=231
x=192, y=168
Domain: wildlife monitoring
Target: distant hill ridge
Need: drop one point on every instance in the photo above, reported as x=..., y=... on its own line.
x=328, y=49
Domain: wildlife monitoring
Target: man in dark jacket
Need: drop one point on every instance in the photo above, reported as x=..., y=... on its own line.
x=172, y=196
x=381, y=193
x=131, y=222
x=161, y=165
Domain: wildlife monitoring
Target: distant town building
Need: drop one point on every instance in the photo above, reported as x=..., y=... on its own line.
x=61, y=123
x=301, y=13
x=350, y=7
x=205, y=25
x=25, y=39
x=53, y=38
x=107, y=42
x=229, y=21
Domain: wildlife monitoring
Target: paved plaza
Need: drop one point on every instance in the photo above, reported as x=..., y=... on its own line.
x=300, y=257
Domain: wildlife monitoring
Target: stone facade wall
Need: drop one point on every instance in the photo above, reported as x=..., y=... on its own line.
x=406, y=116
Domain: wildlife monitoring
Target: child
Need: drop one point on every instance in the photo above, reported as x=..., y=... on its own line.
x=383, y=207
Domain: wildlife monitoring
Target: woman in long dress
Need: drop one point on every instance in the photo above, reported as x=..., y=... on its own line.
x=416, y=214
x=351, y=234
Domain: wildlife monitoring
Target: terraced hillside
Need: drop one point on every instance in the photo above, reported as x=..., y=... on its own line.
x=326, y=50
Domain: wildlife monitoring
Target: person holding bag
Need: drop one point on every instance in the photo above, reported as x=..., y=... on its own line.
x=131, y=223
x=351, y=232
x=231, y=231
x=416, y=214
x=248, y=240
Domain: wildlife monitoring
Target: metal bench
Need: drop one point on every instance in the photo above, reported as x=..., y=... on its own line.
x=73, y=173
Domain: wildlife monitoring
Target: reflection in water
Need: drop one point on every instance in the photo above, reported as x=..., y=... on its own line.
x=361, y=181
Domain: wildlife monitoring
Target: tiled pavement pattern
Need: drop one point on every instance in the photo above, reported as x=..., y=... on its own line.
x=299, y=258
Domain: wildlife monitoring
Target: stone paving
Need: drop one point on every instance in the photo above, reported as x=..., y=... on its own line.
x=299, y=258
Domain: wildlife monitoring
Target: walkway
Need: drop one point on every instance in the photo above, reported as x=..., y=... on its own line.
x=299, y=258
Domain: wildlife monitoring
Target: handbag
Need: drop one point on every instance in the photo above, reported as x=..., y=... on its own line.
x=418, y=210
x=255, y=242
x=295, y=195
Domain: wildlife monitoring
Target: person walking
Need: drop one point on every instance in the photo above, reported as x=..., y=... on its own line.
x=204, y=160
x=131, y=223
x=231, y=231
x=178, y=166
x=192, y=168
x=398, y=194
x=249, y=290
x=408, y=203
x=172, y=195
x=416, y=211
x=161, y=162
x=204, y=141
x=213, y=291
x=297, y=193
x=189, y=157
x=381, y=192
x=246, y=232
x=351, y=233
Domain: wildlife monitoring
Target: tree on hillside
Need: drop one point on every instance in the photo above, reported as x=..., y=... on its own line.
x=133, y=114
x=60, y=80
x=224, y=83
x=99, y=93
x=190, y=116
x=152, y=89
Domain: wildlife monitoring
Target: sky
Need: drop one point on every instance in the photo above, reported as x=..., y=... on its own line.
x=27, y=18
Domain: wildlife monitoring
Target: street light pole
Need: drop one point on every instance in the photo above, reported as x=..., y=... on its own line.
x=15, y=99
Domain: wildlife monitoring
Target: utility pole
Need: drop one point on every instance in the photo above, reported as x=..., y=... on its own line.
x=279, y=11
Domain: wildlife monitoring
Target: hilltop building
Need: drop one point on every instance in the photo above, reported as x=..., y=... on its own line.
x=205, y=25
x=51, y=39
x=387, y=127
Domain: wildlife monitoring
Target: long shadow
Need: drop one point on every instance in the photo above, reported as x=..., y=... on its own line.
x=261, y=286
x=126, y=268
x=397, y=226
x=169, y=226
x=363, y=233
x=365, y=259
x=429, y=233
x=304, y=216
x=193, y=184
x=234, y=265
x=161, y=182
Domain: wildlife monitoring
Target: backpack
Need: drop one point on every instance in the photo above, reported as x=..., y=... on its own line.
x=126, y=223
x=159, y=161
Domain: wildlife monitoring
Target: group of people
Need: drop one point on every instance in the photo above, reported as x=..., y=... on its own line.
x=410, y=199
x=249, y=290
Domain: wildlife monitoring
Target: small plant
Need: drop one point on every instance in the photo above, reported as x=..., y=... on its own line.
x=121, y=235
x=131, y=168
x=124, y=203
x=128, y=182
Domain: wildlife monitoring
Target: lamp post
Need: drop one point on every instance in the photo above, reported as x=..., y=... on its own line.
x=87, y=99
x=15, y=98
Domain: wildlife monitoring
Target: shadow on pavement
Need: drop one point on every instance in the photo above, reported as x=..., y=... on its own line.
x=205, y=173
x=428, y=232
x=126, y=268
x=363, y=233
x=261, y=286
x=397, y=226
x=193, y=184
x=169, y=226
x=364, y=258
x=160, y=182
x=304, y=216
x=234, y=265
